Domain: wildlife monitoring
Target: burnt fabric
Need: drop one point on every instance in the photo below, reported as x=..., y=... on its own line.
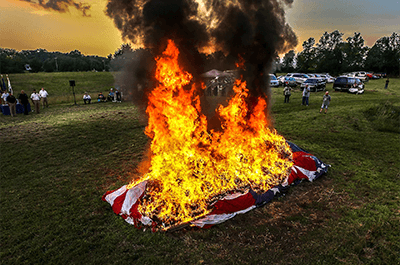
x=124, y=202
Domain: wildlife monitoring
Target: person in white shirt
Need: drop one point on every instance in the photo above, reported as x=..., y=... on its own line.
x=43, y=95
x=87, y=98
x=36, y=101
x=4, y=97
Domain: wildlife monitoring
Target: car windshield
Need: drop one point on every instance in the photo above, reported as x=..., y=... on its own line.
x=272, y=77
x=311, y=81
x=341, y=80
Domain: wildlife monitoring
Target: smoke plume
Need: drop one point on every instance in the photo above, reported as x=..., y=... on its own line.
x=254, y=30
x=61, y=6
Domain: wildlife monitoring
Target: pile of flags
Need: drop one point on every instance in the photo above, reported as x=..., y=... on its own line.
x=124, y=201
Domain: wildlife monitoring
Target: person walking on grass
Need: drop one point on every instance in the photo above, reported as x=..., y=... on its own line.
x=12, y=103
x=43, y=95
x=326, y=99
x=387, y=83
x=36, y=101
x=24, y=100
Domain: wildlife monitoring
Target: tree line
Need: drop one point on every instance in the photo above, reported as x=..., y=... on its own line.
x=333, y=55
x=40, y=60
x=330, y=55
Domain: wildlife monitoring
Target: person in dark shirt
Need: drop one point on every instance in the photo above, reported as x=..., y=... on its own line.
x=12, y=103
x=387, y=83
x=117, y=96
x=101, y=97
x=24, y=100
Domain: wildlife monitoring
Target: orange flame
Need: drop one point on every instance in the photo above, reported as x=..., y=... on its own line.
x=191, y=167
x=241, y=62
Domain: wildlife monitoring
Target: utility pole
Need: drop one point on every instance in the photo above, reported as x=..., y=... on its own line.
x=55, y=58
x=72, y=84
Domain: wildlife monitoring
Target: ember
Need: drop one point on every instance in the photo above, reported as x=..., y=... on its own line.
x=191, y=167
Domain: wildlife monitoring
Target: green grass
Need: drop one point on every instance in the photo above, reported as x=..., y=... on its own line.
x=57, y=84
x=56, y=165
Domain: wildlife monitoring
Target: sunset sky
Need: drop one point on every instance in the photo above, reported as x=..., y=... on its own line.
x=24, y=25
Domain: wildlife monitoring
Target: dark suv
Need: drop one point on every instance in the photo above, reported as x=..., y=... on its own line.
x=344, y=83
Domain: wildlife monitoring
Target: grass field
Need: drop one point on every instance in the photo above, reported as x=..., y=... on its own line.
x=57, y=84
x=56, y=165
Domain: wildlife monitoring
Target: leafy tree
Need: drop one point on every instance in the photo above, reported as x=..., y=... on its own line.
x=306, y=59
x=35, y=64
x=120, y=57
x=12, y=61
x=384, y=56
x=329, y=53
x=354, y=53
x=288, y=62
x=49, y=65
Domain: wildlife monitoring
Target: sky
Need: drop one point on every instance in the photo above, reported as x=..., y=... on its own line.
x=25, y=25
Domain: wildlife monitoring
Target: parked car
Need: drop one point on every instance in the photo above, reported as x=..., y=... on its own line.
x=281, y=79
x=273, y=81
x=300, y=78
x=315, y=84
x=360, y=75
x=314, y=75
x=328, y=78
x=289, y=81
x=375, y=76
x=381, y=75
x=344, y=83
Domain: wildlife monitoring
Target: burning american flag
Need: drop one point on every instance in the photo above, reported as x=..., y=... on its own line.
x=198, y=173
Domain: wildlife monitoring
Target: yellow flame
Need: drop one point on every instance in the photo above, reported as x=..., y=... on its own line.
x=190, y=167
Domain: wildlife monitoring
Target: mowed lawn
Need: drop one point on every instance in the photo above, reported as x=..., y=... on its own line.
x=56, y=165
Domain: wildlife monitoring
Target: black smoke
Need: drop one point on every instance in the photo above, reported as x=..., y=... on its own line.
x=255, y=30
x=61, y=6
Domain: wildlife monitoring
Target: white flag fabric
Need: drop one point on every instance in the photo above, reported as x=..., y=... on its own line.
x=9, y=85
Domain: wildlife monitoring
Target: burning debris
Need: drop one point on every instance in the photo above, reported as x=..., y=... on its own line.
x=193, y=165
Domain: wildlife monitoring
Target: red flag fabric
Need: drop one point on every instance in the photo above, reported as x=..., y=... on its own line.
x=124, y=202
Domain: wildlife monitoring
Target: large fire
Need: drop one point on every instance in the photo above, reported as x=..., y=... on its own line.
x=191, y=167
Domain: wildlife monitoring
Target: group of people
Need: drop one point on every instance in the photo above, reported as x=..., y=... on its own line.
x=9, y=99
x=326, y=99
x=112, y=96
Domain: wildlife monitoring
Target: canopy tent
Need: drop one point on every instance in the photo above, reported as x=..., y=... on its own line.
x=215, y=73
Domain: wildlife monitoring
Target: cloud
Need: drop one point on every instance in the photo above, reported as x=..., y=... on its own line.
x=61, y=6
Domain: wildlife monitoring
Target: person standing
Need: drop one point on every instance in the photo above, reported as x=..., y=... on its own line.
x=87, y=98
x=306, y=95
x=326, y=99
x=23, y=98
x=387, y=83
x=287, y=93
x=12, y=103
x=36, y=101
x=43, y=95
x=4, y=97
